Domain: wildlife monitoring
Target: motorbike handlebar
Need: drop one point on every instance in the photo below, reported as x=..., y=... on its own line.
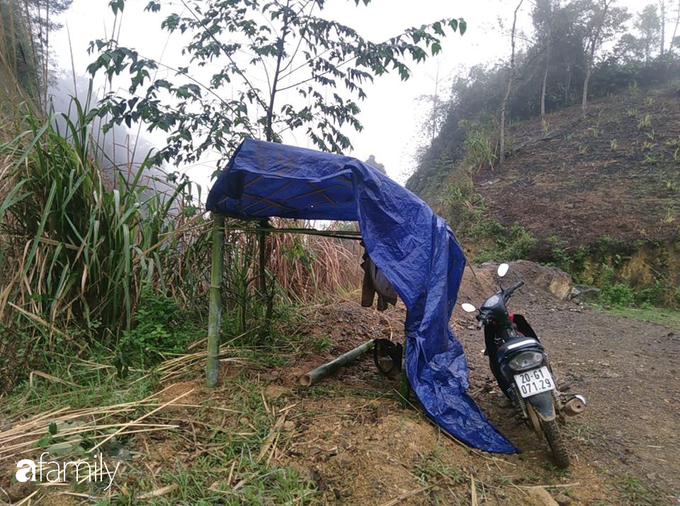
x=509, y=291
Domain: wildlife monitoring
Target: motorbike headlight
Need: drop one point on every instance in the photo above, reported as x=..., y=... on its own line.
x=525, y=360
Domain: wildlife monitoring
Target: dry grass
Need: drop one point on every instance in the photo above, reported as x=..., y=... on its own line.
x=308, y=266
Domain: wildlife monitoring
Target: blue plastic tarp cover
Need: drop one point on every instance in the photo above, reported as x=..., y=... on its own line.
x=410, y=244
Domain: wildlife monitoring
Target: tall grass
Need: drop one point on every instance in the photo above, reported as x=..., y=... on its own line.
x=479, y=148
x=76, y=249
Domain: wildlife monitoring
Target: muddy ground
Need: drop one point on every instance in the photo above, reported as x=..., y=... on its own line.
x=353, y=438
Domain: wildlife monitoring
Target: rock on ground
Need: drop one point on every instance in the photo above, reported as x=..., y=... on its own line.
x=538, y=496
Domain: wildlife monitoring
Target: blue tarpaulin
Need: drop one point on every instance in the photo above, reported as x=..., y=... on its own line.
x=410, y=244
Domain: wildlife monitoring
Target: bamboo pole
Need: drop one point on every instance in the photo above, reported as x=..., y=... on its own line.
x=329, y=368
x=337, y=234
x=263, y=258
x=266, y=296
x=214, y=318
x=404, y=387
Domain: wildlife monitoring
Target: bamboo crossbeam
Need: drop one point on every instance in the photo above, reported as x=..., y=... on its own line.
x=336, y=234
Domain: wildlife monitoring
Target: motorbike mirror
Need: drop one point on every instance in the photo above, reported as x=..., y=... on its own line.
x=503, y=269
x=468, y=308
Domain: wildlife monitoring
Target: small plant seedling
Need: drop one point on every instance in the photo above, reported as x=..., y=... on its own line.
x=650, y=159
x=645, y=122
x=545, y=126
x=676, y=155
x=321, y=343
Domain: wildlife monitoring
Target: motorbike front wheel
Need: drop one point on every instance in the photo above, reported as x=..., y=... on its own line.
x=552, y=434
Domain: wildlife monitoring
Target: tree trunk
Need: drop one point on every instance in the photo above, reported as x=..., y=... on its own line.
x=275, y=81
x=435, y=106
x=584, y=98
x=567, y=85
x=662, y=4
x=675, y=30
x=268, y=298
x=593, y=42
x=543, y=88
x=547, y=61
x=508, y=90
x=589, y=67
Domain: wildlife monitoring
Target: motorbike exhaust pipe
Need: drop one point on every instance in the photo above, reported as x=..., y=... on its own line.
x=575, y=406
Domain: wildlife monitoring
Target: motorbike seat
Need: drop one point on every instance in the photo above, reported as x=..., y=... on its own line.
x=515, y=345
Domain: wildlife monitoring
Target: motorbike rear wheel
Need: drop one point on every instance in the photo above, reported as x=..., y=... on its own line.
x=552, y=433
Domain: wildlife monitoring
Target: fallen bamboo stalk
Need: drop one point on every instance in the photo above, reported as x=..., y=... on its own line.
x=406, y=495
x=329, y=368
x=139, y=420
x=273, y=434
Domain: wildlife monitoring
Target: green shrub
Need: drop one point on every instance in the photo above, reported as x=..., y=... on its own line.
x=620, y=294
x=572, y=261
x=479, y=151
x=510, y=244
x=653, y=295
x=161, y=327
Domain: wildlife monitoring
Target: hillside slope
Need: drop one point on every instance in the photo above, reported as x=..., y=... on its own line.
x=615, y=173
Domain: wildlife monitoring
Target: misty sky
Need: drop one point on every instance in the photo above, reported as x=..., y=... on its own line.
x=391, y=114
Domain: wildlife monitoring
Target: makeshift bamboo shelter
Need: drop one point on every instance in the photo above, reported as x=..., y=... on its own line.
x=406, y=240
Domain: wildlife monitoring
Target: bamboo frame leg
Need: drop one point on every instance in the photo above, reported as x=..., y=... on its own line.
x=263, y=260
x=266, y=293
x=404, y=387
x=215, y=316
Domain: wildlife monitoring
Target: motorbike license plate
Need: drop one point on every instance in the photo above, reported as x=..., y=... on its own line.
x=534, y=382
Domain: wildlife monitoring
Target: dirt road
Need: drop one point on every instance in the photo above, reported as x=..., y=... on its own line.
x=627, y=369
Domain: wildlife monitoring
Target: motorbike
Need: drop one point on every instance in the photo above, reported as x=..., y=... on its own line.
x=520, y=364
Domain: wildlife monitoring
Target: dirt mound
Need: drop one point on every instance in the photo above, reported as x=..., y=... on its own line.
x=543, y=284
